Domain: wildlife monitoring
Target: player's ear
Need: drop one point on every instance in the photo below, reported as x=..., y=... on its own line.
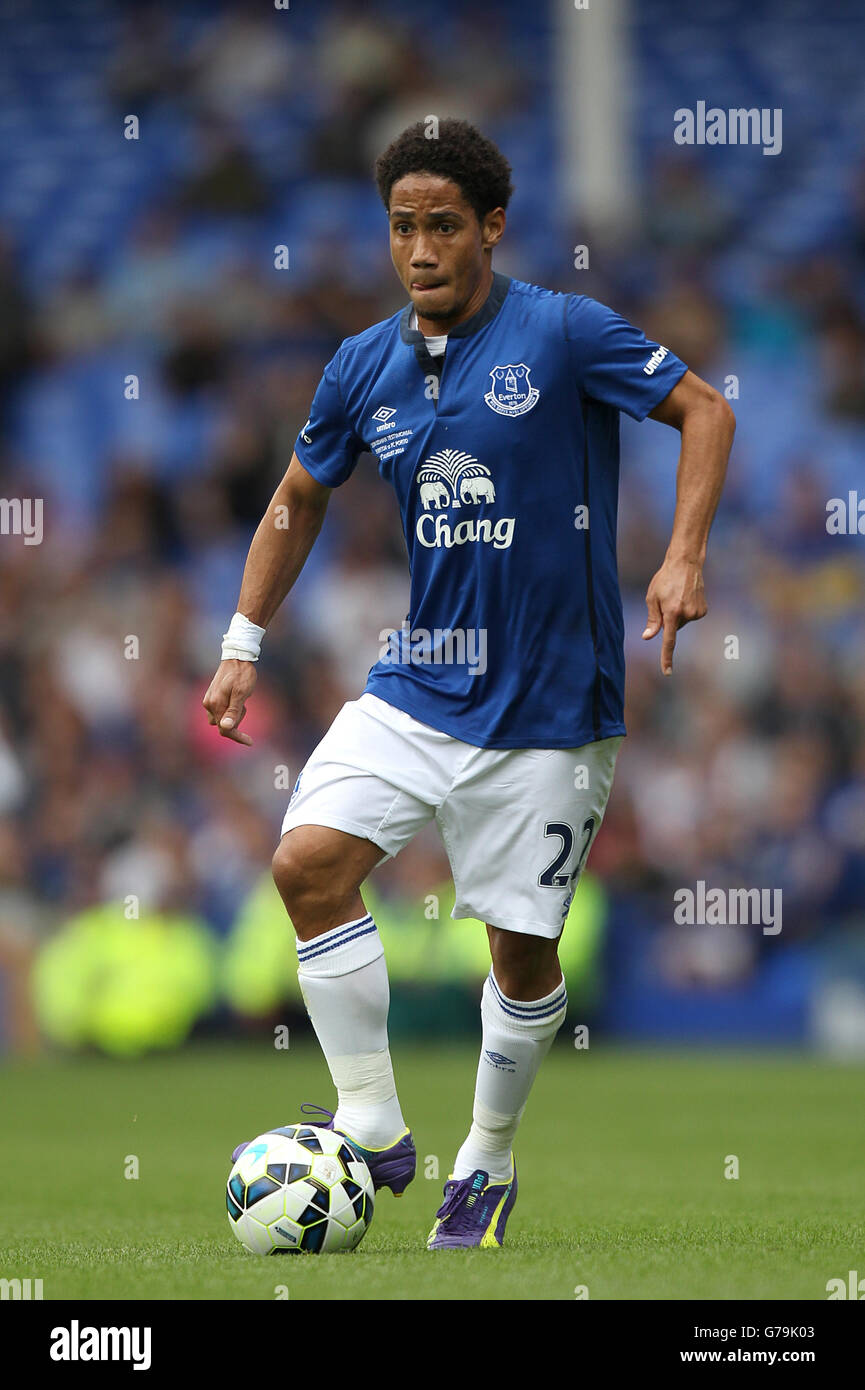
x=493, y=228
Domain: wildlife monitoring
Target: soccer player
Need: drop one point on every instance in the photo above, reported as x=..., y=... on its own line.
x=492, y=407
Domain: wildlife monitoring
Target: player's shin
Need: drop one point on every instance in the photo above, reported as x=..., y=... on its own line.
x=343, y=979
x=516, y=1038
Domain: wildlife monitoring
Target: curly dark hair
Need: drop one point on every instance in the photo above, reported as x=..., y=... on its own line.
x=458, y=152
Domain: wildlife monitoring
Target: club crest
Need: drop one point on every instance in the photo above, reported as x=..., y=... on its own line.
x=512, y=392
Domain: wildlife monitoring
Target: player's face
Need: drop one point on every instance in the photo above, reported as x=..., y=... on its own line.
x=442, y=253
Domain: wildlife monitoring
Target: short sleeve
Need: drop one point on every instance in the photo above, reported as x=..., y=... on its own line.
x=615, y=362
x=327, y=446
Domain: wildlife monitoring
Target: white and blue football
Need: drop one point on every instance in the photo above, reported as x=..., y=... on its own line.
x=299, y=1189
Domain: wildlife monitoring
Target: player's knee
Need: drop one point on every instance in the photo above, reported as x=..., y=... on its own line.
x=302, y=870
x=524, y=964
x=293, y=868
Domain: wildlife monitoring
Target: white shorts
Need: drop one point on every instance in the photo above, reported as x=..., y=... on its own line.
x=517, y=823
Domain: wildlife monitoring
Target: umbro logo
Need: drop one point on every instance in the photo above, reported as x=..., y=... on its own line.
x=499, y=1061
x=384, y=415
x=655, y=360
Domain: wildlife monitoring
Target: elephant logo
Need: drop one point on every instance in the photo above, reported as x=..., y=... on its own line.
x=512, y=392
x=477, y=490
x=434, y=494
x=451, y=478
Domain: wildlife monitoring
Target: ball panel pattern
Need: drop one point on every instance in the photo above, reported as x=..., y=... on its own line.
x=299, y=1189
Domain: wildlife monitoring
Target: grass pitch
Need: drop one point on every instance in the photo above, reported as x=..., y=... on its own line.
x=621, y=1160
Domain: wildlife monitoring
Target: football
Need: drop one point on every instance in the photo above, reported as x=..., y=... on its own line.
x=299, y=1190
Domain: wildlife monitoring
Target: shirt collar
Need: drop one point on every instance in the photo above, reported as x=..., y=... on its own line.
x=488, y=310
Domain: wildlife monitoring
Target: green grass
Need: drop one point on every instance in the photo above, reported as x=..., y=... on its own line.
x=621, y=1161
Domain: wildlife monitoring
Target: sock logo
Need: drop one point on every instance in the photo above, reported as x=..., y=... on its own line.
x=499, y=1061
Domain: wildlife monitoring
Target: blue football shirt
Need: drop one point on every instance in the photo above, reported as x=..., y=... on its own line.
x=504, y=457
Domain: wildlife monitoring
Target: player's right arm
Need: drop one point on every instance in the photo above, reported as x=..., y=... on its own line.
x=276, y=557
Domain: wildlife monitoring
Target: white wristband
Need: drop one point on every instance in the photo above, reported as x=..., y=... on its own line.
x=242, y=641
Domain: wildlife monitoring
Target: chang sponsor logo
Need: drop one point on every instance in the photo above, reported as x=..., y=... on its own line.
x=451, y=479
x=436, y=532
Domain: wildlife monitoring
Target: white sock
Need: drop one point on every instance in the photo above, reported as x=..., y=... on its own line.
x=343, y=979
x=516, y=1038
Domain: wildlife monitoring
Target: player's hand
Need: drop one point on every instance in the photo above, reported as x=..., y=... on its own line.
x=674, y=597
x=226, y=698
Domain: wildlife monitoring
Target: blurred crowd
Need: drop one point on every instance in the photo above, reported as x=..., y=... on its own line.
x=746, y=769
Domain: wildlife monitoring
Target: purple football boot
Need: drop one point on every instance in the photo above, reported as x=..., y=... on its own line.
x=474, y=1212
x=393, y=1167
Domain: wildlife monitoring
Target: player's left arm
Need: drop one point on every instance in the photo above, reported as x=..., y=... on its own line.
x=707, y=425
